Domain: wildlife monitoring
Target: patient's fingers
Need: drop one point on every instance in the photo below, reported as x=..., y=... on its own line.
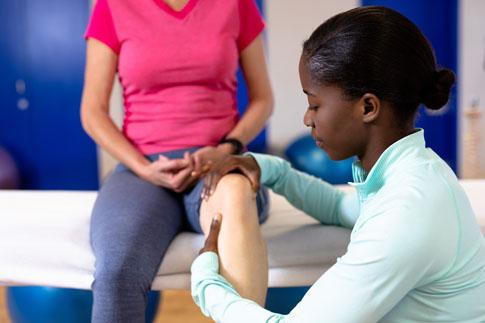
x=164, y=164
x=184, y=178
x=211, y=241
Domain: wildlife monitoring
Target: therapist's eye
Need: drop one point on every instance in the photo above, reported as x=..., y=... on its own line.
x=313, y=107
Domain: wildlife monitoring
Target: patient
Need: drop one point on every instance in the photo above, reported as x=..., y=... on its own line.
x=416, y=253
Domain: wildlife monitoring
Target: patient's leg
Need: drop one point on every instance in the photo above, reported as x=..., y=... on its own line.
x=242, y=251
x=132, y=225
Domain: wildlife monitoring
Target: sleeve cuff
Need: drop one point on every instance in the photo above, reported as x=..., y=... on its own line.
x=206, y=262
x=262, y=160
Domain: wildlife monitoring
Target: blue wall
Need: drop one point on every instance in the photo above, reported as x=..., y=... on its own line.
x=42, y=45
x=438, y=21
x=50, y=130
x=259, y=143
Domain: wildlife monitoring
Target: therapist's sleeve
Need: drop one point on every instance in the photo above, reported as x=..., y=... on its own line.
x=385, y=260
x=219, y=300
x=310, y=194
x=382, y=265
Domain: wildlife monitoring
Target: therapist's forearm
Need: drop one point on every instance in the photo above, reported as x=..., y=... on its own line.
x=218, y=299
x=224, y=306
x=305, y=192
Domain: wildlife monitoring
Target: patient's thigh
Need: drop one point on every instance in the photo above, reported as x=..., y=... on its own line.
x=134, y=218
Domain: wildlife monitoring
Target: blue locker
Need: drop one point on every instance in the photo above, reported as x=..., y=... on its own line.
x=42, y=64
x=259, y=143
x=438, y=21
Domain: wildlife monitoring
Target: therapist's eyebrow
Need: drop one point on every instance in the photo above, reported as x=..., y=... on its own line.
x=308, y=93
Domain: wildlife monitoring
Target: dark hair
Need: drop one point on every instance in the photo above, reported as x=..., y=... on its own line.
x=377, y=50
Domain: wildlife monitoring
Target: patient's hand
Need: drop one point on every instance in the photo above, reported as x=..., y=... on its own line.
x=174, y=174
x=246, y=165
x=211, y=241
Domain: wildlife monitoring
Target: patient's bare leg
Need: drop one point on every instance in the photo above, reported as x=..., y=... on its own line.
x=242, y=251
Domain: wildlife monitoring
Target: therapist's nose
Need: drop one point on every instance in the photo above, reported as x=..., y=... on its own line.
x=307, y=118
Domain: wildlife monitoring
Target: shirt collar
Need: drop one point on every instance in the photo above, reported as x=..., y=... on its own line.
x=394, y=154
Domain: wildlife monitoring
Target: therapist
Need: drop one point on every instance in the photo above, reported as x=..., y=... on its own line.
x=416, y=253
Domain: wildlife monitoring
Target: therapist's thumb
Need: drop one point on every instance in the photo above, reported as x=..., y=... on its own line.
x=211, y=241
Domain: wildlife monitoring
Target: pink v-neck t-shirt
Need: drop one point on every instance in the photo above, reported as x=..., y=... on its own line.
x=177, y=68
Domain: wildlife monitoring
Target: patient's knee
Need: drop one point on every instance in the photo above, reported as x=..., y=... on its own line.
x=233, y=198
x=233, y=184
x=121, y=278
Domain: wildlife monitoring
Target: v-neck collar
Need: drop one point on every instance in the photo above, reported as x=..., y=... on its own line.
x=177, y=14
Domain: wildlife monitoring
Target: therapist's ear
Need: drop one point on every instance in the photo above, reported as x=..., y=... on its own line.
x=370, y=107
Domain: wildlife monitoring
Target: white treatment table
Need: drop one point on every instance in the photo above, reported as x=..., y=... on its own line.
x=44, y=240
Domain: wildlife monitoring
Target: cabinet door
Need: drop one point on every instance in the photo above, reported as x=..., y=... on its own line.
x=15, y=125
x=57, y=154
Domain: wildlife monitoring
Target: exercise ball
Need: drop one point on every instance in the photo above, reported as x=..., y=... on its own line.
x=9, y=176
x=306, y=156
x=35, y=304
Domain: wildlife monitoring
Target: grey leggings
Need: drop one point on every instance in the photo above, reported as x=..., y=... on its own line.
x=132, y=225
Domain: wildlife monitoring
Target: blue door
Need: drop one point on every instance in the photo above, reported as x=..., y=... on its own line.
x=14, y=118
x=438, y=21
x=259, y=143
x=42, y=64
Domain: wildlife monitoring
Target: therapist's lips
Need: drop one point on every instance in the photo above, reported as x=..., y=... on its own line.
x=318, y=141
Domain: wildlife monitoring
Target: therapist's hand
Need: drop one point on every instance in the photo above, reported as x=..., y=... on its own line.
x=246, y=165
x=211, y=241
x=207, y=156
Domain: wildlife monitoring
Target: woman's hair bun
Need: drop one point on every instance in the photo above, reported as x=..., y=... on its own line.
x=438, y=93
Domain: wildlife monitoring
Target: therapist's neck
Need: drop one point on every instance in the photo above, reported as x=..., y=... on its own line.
x=380, y=138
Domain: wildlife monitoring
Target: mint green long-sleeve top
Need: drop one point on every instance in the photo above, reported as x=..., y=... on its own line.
x=416, y=253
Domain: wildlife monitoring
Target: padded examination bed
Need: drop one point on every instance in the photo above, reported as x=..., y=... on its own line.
x=44, y=240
